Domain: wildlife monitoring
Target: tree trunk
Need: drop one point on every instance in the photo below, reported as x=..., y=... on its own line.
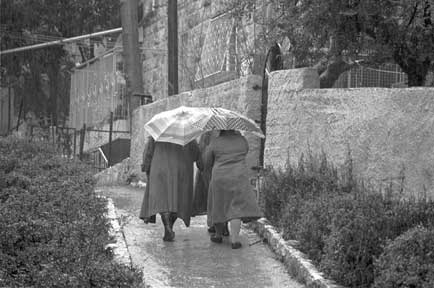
x=333, y=70
x=415, y=79
x=416, y=72
x=415, y=68
x=332, y=67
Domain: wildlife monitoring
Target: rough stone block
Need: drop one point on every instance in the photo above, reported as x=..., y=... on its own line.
x=293, y=79
x=388, y=133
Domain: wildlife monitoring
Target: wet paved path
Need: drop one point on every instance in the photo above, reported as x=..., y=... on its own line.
x=192, y=260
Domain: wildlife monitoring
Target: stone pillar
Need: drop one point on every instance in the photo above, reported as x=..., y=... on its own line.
x=282, y=84
x=294, y=79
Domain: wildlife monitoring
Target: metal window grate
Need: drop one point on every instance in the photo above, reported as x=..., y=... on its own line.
x=215, y=51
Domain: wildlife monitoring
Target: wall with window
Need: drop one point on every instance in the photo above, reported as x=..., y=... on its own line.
x=214, y=45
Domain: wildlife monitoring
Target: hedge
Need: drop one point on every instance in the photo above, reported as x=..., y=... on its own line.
x=340, y=224
x=52, y=225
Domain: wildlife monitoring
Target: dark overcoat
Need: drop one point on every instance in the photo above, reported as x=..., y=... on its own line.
x=232, y=195
x=170, y=182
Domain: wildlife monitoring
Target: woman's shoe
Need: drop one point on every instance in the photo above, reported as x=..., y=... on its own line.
x=236, y=245
x=211, y=229
x=216, y=239
x=225, y=230
x=169, y=237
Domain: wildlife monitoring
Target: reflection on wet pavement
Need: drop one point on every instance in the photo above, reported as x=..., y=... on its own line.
x=192, y=260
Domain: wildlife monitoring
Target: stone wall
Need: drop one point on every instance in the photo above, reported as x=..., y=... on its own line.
x=242, y=95
x=115, y=175
x=194, y=18
x=388, y=132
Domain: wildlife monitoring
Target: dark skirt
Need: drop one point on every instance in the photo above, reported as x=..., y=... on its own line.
x=150, y=219
x=200, y=199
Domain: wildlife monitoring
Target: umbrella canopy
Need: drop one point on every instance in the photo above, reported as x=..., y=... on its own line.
x=224, y=119
x=176, y=126
x=184, y=124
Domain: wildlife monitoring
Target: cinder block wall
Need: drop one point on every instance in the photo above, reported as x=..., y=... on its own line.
x=389, y=132
x=242, y=95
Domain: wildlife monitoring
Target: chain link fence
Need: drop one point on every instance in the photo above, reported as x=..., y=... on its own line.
x=387, y=75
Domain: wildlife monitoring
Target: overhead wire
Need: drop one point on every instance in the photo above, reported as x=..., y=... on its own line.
x=42, y=39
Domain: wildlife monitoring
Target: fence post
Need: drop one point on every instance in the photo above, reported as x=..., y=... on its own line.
x=53, y=132
x=110, y=140
x=82, y=134
x=9, y=108
x=75, y=143
x=19, y=113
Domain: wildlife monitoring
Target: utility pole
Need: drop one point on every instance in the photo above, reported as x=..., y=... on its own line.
x=130, y=43
x=172, y=46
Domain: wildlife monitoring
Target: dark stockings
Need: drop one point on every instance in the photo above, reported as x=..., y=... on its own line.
x=217, y=237
x=168, y=220
x=173, y=216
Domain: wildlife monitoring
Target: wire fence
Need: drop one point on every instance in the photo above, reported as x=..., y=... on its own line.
x=97, y=89
x=387, y=75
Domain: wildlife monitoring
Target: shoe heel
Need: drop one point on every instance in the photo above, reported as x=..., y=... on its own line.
x=216, y=239
x=236, y=245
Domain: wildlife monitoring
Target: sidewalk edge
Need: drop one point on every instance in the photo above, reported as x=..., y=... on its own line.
x=120, y=249
x=295, y=261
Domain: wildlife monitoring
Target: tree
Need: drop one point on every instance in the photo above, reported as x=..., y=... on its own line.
x=26, y=22
x=335, y=35
x=403, y=30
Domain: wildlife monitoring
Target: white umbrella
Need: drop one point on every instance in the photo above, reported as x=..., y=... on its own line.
x=175, y=126
x=184, y=124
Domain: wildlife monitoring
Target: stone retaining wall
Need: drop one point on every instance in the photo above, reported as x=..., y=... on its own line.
x=389, y=133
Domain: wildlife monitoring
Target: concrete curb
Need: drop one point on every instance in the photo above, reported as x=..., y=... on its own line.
x=119, y=249
x=295, y=261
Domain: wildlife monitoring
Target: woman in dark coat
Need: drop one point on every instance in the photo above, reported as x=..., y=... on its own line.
x=169, y=190
x=202, y=201
x=232, y=196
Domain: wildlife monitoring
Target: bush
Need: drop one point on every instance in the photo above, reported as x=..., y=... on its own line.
x=286, y=191
x=312, y=228
x=52, y=225
x=407, y=261
x=339, y=223
x=355, y=239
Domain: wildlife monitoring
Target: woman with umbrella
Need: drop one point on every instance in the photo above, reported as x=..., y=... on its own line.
x=201, y=185
x=232, y=196
x=170, y=188
x=168, y=161
x=170, y=183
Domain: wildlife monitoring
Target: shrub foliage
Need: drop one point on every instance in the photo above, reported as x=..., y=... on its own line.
x=52, y=225
x=340, y=224
x=411, y=253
